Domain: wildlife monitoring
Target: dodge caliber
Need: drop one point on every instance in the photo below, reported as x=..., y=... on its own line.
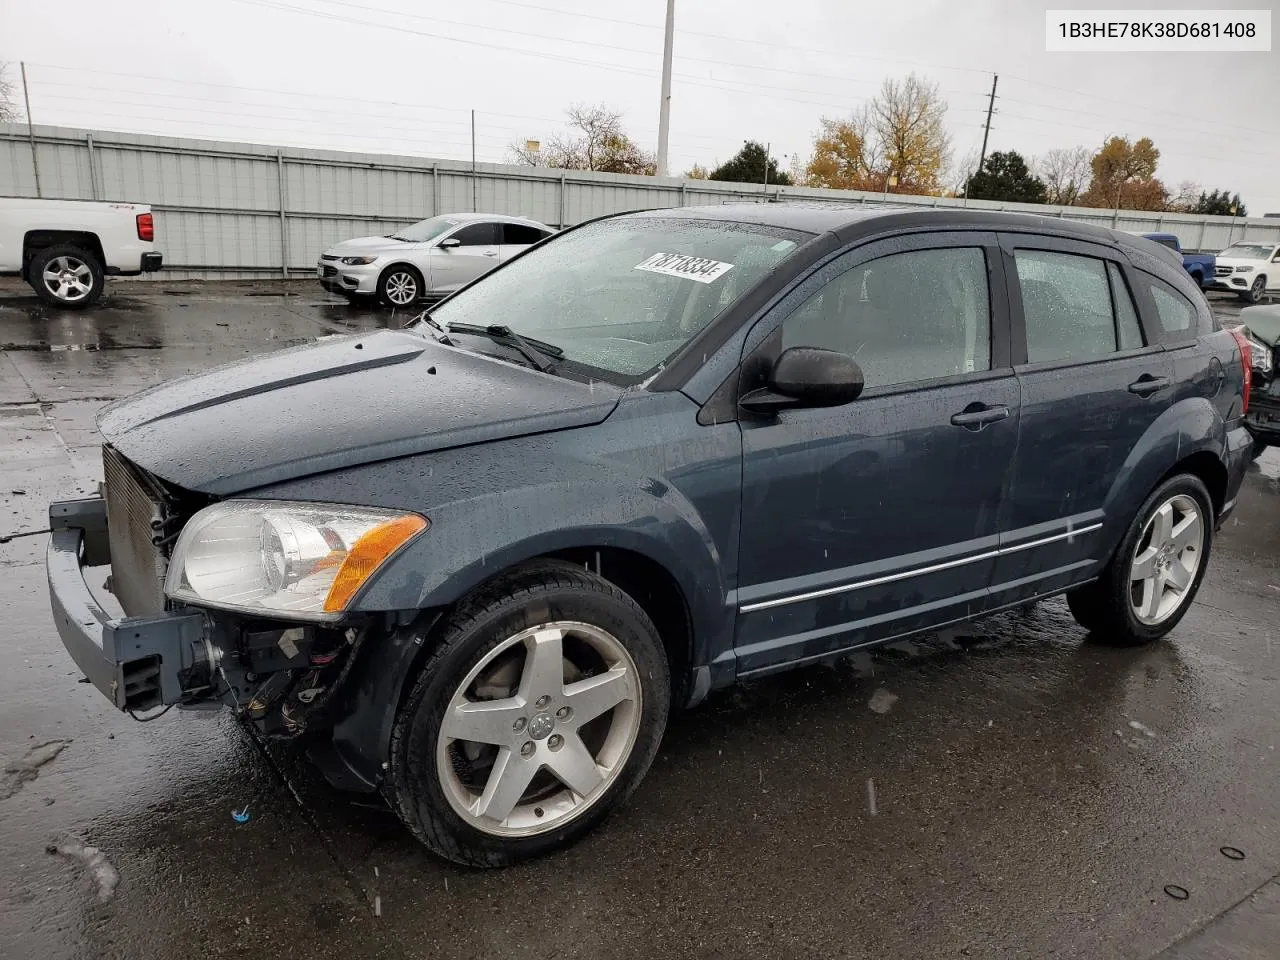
x=480, y=559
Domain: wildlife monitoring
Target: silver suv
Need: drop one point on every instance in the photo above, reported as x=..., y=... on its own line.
x=427, y=260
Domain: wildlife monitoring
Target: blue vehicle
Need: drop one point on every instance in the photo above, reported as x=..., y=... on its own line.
x=479, y=560
x=1199, y=266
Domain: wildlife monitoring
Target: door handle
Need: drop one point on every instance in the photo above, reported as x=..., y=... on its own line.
x=978, y=415
x=491, y=253
x=1146, y=385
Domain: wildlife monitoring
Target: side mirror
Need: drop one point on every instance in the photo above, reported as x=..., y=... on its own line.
x=807, y=377
x=449, y=244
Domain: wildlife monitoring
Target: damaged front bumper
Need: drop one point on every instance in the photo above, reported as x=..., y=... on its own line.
x=135, y=662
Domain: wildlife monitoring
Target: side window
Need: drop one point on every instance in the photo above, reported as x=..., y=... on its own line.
x=1177, y=314
x=904, y=318
x=520, y=234
x=478, y=235
x=1276, y=256
x=1127, y=325
x=1066, y=301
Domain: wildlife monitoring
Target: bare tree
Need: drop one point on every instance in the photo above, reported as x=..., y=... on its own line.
x=958, y=173
x=8, y=96
x=1065, y=172
x=596, y=142
x=1187, y=199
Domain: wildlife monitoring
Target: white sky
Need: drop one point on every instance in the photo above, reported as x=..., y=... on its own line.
x=401, y=76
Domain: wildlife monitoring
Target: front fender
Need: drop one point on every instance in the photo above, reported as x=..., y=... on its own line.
x=472, y=540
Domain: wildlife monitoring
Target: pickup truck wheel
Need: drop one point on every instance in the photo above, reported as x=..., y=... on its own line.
x=1256, y=291
x=400, y=286
x=539, y=709
x=66, y=276
x=1152, y=578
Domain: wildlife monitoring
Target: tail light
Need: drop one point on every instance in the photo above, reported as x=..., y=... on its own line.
x=1246, y=364
x=146, y=227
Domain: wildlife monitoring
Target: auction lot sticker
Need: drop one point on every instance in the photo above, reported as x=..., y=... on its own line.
x=697, y=269
x=1126, y=31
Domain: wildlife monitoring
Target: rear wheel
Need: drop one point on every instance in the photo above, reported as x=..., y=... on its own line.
x=541, y=709
x=1155, y=572
x=67, y=276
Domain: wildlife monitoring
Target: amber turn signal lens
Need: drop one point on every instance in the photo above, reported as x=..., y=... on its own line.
x=367, y=554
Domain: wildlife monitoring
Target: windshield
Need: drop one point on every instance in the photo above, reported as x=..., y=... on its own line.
x=1247, y=251
x=622, y=296
x=427, y=229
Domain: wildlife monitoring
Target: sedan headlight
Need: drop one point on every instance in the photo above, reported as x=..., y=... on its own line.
x=1259, y=354
x=1244, y=269
x=298, y=560
x=358, y=261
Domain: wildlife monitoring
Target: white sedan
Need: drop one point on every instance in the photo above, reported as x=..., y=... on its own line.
x=427, y=260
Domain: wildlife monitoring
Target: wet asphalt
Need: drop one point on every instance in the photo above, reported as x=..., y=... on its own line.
x=1003, y=790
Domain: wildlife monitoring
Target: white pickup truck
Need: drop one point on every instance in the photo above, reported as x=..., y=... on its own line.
x=66, y=248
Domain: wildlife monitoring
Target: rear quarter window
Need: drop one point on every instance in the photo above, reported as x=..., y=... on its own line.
x=1177, y=315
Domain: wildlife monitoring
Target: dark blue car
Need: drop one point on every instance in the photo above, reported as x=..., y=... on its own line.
x=480, y=559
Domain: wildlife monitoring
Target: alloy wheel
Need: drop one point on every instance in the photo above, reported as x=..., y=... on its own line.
x=539, y=729
x=402, y=288
x=1167, y=559
x=68, y=278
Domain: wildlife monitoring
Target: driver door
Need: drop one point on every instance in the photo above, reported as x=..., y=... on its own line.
x=475, y=255
x=881, y=516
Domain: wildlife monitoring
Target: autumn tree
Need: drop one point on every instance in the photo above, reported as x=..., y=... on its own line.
x=845, y=155
x=696, y=172
x=1005, y=176
x=908, y=119
x=751, y=164
x=1066, y=172
x=1124, y=175
x=596, y=142
x=8, y=96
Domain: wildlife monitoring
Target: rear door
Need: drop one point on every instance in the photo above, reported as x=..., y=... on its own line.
x=517, y=237
x=879, y=517
x=1093, y=381
x=476, y=254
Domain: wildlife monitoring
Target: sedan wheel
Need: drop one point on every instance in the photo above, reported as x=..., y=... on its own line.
x=539, y=708
x=400, y=287
x=1166, y=560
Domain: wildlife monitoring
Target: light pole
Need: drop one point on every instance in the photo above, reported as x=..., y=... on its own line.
x=664, y=112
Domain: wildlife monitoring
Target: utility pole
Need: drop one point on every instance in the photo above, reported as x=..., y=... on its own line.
x=664, y=113
x=31, y=136
x=767, y=148
x=473, y=161
x=986, y=130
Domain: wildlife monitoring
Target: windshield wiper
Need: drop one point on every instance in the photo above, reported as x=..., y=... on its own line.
x=535, y=351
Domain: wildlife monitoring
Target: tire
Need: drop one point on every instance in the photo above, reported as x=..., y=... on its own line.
x=437, y=781
x=1108, y=607
x=400, y=286
x=1198, y=280
x=66, y=276
x=1257, y=290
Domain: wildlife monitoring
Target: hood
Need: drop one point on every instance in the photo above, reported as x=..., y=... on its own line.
x=1227, y=261
x=336, y=404
x=1263, y=323
x=370, y=246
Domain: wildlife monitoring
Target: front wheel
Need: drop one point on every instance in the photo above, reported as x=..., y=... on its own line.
x=67, y=276
x=400, y=286
x=1256, y=291
x=1156, y=570
x=540, y=709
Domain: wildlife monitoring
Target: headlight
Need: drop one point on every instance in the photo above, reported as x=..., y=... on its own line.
x=1243, y=269
x=300, y=560
x=358, y=261
x=1259, y=354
